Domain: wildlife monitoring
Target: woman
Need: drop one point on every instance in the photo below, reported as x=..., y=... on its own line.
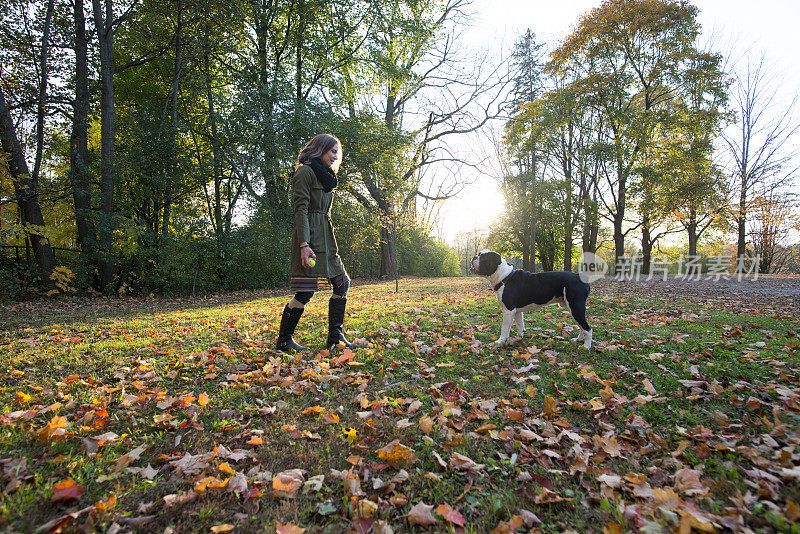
x=314, y=251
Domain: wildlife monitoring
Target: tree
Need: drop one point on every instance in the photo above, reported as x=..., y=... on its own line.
x=405, y=96
x=772, y=219
x=26, y=183
x=26, y=194
x=79, y=143
x=680, y=181
x=105, y=26
x=525, y=134
x=762, y=156
x=627, y=58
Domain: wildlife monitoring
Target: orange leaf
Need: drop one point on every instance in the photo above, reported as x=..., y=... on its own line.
x=330, y=418
x=66, y=491
x=203, y=399
x=106, y=505
x=287, y=483
x=453, y=516
x=313, y=410
x=515, y=415
x=55, y=429
x=288, y=528
x=347, y=355
x=255, y=440
x=396, y=454
x=226, y=468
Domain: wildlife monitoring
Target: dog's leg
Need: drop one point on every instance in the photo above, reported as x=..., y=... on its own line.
x=520, y=320
x=505, y=329
x=587, y=339
x=576, y=304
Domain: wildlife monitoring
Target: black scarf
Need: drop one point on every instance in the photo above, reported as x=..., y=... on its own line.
x=324, y=174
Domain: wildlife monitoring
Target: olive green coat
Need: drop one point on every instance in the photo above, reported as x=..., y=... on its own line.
x=312, y=224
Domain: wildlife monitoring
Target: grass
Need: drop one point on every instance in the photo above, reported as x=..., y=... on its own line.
x=684, y=415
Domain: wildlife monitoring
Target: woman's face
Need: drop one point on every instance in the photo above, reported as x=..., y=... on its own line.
x=331, y=158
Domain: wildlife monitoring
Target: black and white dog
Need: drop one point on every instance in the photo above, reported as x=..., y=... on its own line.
x=519, y=291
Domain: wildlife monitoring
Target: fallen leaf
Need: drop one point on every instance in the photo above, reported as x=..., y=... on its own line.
x=396, y=454
x=287, y=483
x=288, y=528
x=449, y=514
x=420, y=514
x=459, y=462
x=66, y=491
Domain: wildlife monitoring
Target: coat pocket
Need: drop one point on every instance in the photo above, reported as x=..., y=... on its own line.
x=317, y=230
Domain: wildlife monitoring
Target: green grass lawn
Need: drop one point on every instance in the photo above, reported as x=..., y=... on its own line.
x=160, y=415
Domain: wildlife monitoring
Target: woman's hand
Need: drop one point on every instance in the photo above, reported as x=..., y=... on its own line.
x=305, y=254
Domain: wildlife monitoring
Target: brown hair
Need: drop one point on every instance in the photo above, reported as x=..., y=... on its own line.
x=319, y=145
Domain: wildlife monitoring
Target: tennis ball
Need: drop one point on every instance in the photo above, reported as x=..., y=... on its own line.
x=312, y=262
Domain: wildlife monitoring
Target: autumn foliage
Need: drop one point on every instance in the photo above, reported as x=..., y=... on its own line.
x=154, y=414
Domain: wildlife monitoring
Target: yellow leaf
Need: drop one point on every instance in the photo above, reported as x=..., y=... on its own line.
x=351, y=434
x=550, y=406
x=426, y=424
x=396, y=454
x=23, y=398
x=226, y=468
x=596, y=404
x=203, y=399
x=225, y=527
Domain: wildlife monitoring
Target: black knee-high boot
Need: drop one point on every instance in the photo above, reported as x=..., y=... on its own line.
x=336, y=307
x=289, y=320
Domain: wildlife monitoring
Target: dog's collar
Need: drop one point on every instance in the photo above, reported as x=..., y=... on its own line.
x=504, y=280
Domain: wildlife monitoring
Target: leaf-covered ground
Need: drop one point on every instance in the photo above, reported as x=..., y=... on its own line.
x=177, y=416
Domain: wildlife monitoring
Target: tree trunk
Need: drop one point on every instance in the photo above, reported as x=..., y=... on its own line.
x=216, y=152
x=647, y=245
x=79, y=149
x=587, y=227
x=691, y=229
x=274, y=196
x=45, y=48
x=26, y=191
x=741, y=243
x=105, y=36
x=619, y=244
x=619, y=219
x=389, y=250
x=535, y=210
x=568, y=227
x=174, y=133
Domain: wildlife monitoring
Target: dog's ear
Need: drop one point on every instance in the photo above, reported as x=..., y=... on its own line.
x=489, y=262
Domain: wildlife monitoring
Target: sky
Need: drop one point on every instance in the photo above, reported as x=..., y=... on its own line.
x=749, y=26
